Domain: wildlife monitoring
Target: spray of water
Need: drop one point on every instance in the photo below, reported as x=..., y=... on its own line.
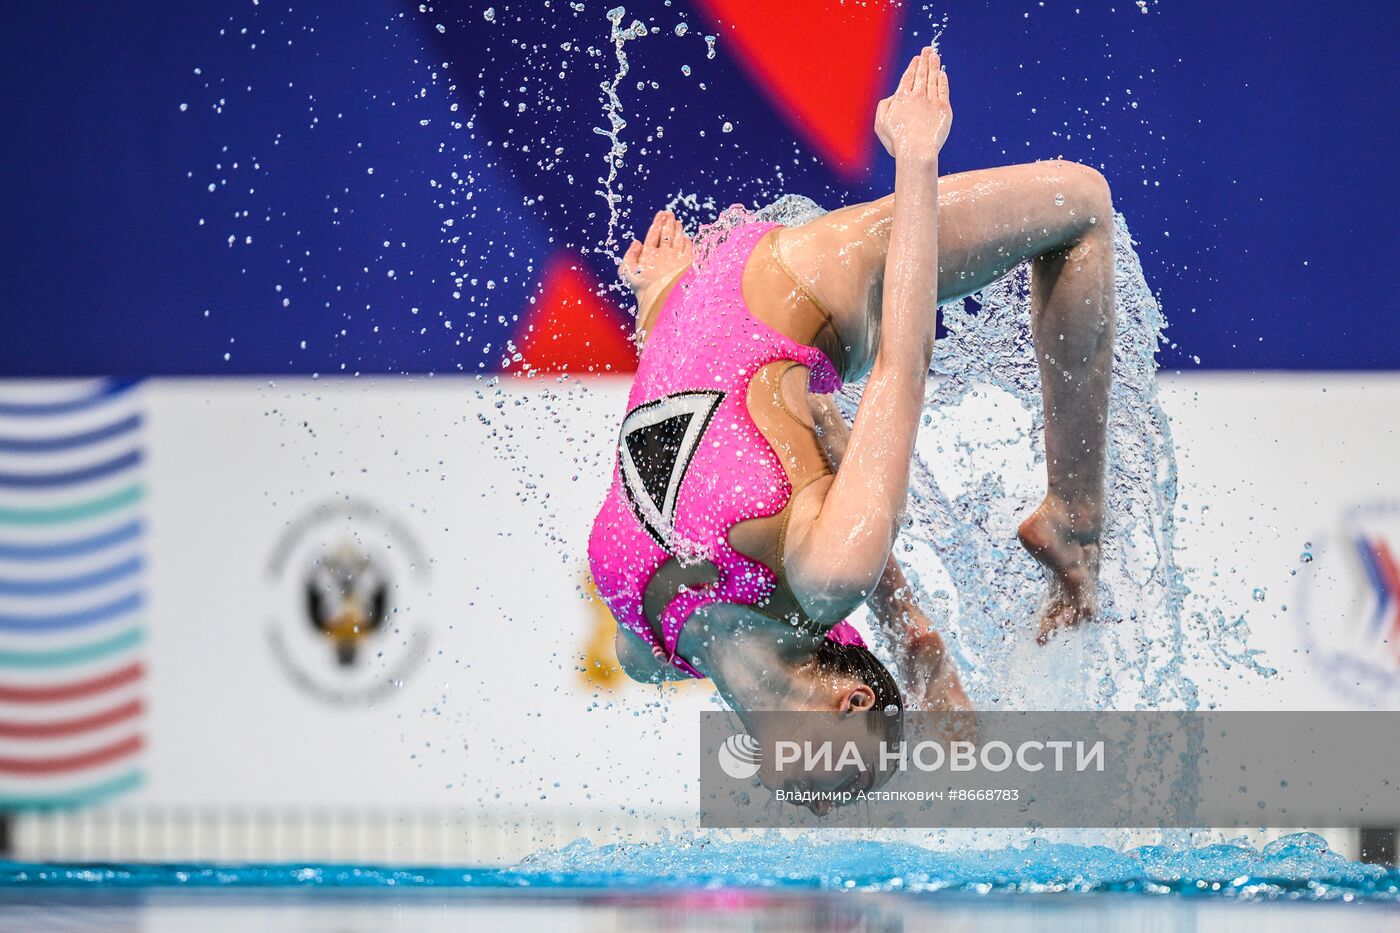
x=979, y=470
x=988, y=351
x=1296, y=867
x=613, y=110
x=1299, y=866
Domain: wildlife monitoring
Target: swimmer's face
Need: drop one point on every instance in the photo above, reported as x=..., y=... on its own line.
x=850, y=725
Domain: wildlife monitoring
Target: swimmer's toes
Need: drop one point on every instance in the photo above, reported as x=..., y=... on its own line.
x=653, y=237
x=1060, y=614
x=628, y=270
x=1073, y=597
x=1071, y=562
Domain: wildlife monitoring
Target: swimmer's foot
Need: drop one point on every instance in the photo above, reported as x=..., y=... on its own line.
x=1071, y=556
x=654, y=260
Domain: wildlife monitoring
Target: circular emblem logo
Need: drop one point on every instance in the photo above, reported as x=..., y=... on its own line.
x=740, y=756
x=344, y=577
x=1348, y=592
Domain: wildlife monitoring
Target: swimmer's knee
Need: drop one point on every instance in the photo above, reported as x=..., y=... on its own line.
x=1087, y=193
x=1092, y=195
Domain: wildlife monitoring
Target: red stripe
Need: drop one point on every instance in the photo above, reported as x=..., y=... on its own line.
x=1391, y=573
x=90, y=759
x=60, y=727
x=72, y=691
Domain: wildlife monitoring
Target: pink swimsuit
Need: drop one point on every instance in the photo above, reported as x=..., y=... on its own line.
x=691, y=462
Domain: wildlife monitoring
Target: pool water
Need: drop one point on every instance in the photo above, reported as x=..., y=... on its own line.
x=695, y=882
x=383, y=911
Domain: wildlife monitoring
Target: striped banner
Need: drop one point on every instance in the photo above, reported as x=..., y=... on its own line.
x=72, y=595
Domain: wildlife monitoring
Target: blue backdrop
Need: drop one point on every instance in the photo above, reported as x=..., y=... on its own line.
x=256, y=188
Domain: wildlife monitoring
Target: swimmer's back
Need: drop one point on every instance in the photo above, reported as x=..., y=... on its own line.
x=716, y=442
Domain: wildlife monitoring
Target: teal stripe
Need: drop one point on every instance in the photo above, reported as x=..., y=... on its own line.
x=56, y=657
x=92, y=508
x=76, y=798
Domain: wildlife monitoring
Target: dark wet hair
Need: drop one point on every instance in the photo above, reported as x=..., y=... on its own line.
x=859, y=662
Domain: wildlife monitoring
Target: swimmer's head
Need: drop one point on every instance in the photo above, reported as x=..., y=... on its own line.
x=865, y=706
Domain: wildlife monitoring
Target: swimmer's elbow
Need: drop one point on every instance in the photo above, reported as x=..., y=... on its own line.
x=837, y=590
x=834, y=574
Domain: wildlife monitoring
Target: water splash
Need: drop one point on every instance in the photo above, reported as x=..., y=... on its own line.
x=1136, y=654
x=612, y=109
x=790, y=210
x=980, y=468
x=1300, y=865
x=1297, y=867
x=987, y=356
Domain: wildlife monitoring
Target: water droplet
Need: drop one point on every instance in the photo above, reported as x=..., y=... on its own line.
x=1059, y=199
x=728, y=127
x=490, y=14
x=1259, y=594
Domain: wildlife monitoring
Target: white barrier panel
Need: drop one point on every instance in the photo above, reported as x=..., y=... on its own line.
x=456, y=511
x=370, y=593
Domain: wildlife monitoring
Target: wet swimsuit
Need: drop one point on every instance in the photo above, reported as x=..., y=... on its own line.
x=693, y=465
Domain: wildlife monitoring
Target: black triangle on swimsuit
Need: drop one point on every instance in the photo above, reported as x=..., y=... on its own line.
x=657, y=444
x=655, y=449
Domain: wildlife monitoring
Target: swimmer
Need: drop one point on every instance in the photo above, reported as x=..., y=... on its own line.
x=746, y=521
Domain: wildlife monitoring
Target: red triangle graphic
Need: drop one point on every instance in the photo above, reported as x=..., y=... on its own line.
x=571, y=329
x=822, y=63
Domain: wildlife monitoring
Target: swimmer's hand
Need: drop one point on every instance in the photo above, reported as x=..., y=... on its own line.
x=913, y=122
x=930, y=675
x=927, y=672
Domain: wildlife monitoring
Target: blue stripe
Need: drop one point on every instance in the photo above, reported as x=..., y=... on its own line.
x=81, y=797
x=63, y=585
x=110, y=388
x=70, y=477
x=1373, y=573
x=57, y=621
x=77, y=547
x=26, y=445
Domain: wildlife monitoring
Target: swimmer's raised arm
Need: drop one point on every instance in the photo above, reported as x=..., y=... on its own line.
x=892, y=600
x=836, y=558
x=929, y=676
x=892, y=595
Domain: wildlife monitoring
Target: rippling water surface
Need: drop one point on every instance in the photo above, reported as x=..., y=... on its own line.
x=1297, y=867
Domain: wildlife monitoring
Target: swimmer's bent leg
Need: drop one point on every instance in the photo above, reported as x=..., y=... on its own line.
x=1059, y=216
